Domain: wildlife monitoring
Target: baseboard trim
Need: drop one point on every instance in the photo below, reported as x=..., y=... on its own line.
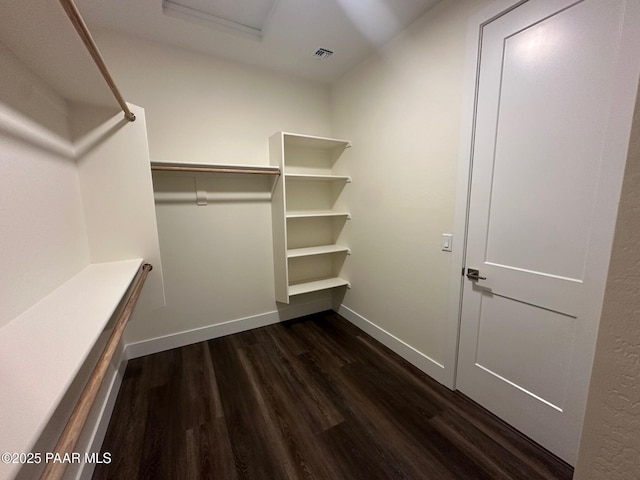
x=406, y=351
x=188, y=337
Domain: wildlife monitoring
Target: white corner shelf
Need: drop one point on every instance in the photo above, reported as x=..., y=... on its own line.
x=302, y=177
x=310, y=187
x=318, y=213
x=316, y=285
x=43, y=349
x=312, y=141
x=318, y=250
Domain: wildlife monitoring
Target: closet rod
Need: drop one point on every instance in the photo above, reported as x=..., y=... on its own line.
x=87, y=39
x=210, y=169
x=71, y=433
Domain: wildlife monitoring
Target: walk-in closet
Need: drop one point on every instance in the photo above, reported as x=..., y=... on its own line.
x=287, y=239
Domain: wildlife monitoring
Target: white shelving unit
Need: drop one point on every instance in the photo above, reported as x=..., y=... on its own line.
x=308, y=213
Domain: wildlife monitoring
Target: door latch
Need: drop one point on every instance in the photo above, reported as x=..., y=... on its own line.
x=474, y=274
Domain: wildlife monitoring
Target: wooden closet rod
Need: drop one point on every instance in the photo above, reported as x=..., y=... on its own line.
x=211, y=169
x=87, y=39
x=71, y=433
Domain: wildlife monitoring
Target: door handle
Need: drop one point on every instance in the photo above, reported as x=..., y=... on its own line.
x=474, y=274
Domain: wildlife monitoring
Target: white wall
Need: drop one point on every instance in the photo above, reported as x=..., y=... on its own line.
x=401, y=109
x=42, y=232
x=203, y=110
x=217, y=258
x=116, y=187
x=611, y=432
x=23, y=91
x=75, y=189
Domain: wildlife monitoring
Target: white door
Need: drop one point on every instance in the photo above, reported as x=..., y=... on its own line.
x=544, y=188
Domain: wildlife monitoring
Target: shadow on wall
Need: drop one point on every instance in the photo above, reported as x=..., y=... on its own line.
x=26, y=100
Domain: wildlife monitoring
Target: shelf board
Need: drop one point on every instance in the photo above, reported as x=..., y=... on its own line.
x=213, y=168
x=319, y=250
x=313, y=141
x=317, y=214
x=316, y=285
x=317, y=178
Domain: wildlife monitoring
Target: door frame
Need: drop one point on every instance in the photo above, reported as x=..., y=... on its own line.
x=617, y=135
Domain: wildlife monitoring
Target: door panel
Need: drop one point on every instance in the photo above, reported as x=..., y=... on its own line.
x=543, y=100
x=540, y=339
x=549, y=118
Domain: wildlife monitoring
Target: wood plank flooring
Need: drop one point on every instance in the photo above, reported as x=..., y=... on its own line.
x=314, y=398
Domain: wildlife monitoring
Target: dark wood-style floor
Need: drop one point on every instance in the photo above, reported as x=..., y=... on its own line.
x=311, y=398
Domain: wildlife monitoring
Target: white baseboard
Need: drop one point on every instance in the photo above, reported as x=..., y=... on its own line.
x=180, y=339
x=406, y=351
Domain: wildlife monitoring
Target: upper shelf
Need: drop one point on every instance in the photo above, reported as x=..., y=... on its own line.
x=310, y=141
x=214, y=168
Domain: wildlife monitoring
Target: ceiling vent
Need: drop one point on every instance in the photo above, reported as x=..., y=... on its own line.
x=322, y=53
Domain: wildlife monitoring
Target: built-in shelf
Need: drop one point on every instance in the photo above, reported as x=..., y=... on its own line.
x=317, y=178
x=310, y=189
x=312, y=214
x=214, y=168
x=319, y=250
x=311, y=141
x=316, y=285
x=44, y=348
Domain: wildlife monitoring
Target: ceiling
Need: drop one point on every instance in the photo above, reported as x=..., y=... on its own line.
x=39, y=33
x=279, y=35
x=288, y=31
